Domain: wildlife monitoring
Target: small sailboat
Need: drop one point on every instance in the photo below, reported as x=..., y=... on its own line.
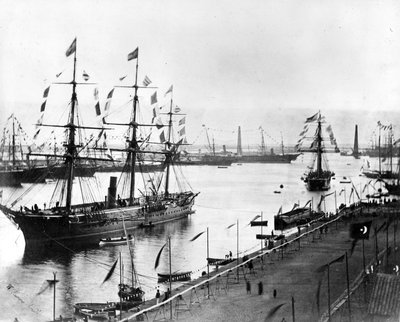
x=319, y=177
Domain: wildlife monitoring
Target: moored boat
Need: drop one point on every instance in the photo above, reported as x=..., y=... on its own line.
x=115, y=240
x=294, y=217
x=220, y=261
x=318, y=179
x=175, y=277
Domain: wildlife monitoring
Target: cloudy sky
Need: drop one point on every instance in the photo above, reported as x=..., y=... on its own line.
x=247, y=63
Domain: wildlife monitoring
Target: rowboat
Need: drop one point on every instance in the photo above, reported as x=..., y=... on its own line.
x=114, y=240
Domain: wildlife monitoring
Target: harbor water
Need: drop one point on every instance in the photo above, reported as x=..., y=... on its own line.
x=228, y=196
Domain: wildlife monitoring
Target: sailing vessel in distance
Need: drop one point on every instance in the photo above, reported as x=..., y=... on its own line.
x=262, y=156
x=89, y=221
x=319, y=177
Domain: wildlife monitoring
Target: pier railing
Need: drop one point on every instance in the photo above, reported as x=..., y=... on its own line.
x=354, y=209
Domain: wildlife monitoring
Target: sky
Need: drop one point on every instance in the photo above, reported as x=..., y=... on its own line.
x=248, y=63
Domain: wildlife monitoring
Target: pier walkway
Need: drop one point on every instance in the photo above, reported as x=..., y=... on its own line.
x=284, y=284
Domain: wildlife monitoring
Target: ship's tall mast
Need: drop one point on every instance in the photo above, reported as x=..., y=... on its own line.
x=71, y=147
x=168, y=155
x=319, y=148
x=13, y=142
x=133, y=143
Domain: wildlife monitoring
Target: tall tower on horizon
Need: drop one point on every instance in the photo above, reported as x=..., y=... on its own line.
x=239, y=142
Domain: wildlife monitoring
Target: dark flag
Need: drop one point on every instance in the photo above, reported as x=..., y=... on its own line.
x=360, y=230
x=97, y=107
x=312, y=118
x=197, y=236
x=273, y=311
x=43, y=106
x=133, y=54
x=153, y=98
x=158, y=257
x=71, y=49
x=46, y=92
x=110, y=272
x=170, y=89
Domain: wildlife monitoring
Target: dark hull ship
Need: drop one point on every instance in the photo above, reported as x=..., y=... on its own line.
x=18, y=168
x=318, y=179
x=263, y=156
x=88, y=222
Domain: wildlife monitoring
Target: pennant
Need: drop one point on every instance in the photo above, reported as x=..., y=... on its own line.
x=157, y=262
x=197, y=236
x=162, y=137
x=182, y=132
x=109, y=274
x=71, y=49
x=43, y=106
x=169, y=90
x=110, y=94
x=256, y=217
x=153, y=98
x=230, y=226
x=46, y=92
x=312, y=118
x=46, y=285
x=146, y=81
x=360, y=230
x=279, y=211
x=182, y=121
x=134, y=54
x=122, y=78
x=325, y=266
x=59, y=74
x=154, y=115
x=97, y=107
x=273, y=311
x=85, y=76
x=96, y=93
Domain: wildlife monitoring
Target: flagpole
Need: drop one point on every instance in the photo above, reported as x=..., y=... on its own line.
x=170, y=278
x=237, y=248
x=336, y=210
x=54, y=296
x=261, y=228
x=293, y=315
x=208, y=265
x=387, y=244
x=329, y=297
x=120, y=283
x=348, y=287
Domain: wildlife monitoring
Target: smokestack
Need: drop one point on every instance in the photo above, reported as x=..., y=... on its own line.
x=112, y=192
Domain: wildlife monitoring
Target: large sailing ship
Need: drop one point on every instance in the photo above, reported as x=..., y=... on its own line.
x=318, y=177
x=90, y=220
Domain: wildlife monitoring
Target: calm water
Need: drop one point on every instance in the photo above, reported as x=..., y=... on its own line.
x=239, y=192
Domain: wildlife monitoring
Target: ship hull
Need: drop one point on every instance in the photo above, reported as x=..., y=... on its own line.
x=292, y=218
x=88, y=227
x=318, y=184
x=393, y=189
x=11, y=178
x=269, y=158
